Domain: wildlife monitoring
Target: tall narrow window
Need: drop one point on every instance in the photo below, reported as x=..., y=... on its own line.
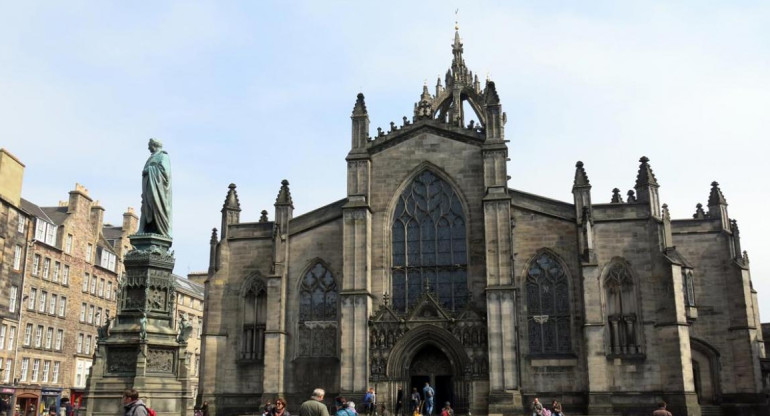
x=254, y=318
x=689, y=287
x=24, y=368
x=11, y=338
x=65, y=275
x=56, y=271
x=318, y=313
x=429, y=247
x=68, y=244
x=3, y=330
x=623, y=323
x=7, y=372
x=46, y=268
x=55, y=372
x=12, y=301
x=36, y=259
x=548, y=306
x=89, y=252
x=17, y=257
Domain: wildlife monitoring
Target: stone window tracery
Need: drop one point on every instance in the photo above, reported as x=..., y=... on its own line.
x=689, y=287
x=429, y=244
x=254, y=318
x=548, y=306
x=318, y=308
x=622, y=317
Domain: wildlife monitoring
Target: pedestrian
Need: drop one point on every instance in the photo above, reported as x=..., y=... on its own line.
x=268, y=410
x=132, y=404
x=447, y=410
x=205, y=408
x=314, y=406
x=369, y=401
x=661, y=411
x=399, y=401
x=415, y=400
x=383, y=410
x=280, y=408
x=352, y=408
x=537, y=407
x=556, y=409
x=341, y=404
x=428, y=394
x=65, y=409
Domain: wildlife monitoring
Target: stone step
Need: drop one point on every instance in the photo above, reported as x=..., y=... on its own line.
x=710, y=410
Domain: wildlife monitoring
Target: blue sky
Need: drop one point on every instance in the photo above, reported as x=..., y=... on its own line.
x=255, y=92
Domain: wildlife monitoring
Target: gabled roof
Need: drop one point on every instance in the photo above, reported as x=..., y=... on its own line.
x=36, y=211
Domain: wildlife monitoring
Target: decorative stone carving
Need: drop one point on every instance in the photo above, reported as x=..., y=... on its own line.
x=121, y=360
x=160, y=360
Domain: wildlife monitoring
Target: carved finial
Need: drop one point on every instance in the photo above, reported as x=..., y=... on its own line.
x=616, y=198
x=715, y=196
x=699, y=213
x=263, y=216
x=631, y=198
x=214, y=237
x=645, y=177
x=360, y=108
x=745, y=257
x=666, y=214
x=231, y=200
x=284, y=196
x=581, y=178
x=385, y=298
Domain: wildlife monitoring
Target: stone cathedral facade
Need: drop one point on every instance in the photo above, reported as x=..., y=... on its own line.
x=432, y=269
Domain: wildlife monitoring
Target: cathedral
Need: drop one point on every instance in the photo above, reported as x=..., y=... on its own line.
x=431, y=269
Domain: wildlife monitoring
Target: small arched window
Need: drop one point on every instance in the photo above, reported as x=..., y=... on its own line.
x=622, y=317
x=548, y=306
x=689, y=287
x=318, y=313
x=429, y=248
x=254, y=317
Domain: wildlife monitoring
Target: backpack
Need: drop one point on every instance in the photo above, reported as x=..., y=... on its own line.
x=150, y=412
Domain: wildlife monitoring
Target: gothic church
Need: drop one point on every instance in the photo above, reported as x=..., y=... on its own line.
x=431, y=269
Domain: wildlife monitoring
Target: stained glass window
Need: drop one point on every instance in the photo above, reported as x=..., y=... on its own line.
x=318, y=313
x=254, y=318
x=622, y=323
x=548, y=308
x=429, y=244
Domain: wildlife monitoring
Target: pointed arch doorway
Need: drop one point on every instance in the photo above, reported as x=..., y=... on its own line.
x=431, y=365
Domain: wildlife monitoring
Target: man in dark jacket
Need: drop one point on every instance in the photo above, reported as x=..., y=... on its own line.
x=132, y=405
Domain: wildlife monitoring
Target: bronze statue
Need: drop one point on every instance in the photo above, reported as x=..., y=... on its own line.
x=156, y=192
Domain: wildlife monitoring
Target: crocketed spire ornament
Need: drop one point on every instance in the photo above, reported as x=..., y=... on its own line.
x=263, y=216
x=581, y=178
x=284, y=196
x=214, y=237
x=645, y=177
x=616, y=198
x=231, y=200
x=699, y=213
x=631, y=197
x=715, y=196
x=359, y=109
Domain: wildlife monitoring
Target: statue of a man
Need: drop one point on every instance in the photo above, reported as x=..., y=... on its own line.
x=156, y=192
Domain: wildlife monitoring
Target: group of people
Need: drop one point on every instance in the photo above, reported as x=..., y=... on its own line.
x=539, y=410
x=424, y=404
x=343, y=407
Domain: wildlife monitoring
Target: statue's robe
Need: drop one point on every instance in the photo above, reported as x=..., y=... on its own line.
x=156, y=195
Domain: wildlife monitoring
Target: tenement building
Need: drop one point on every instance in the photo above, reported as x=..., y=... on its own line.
x=432, y=269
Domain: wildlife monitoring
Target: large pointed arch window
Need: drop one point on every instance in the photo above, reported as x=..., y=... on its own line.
x=254, y=317
x=429, y=244
x=318, y=313
x=622, y=319
x=548, y=306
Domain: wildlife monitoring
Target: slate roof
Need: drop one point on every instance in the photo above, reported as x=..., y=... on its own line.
x=36, y=211
x=189, y=287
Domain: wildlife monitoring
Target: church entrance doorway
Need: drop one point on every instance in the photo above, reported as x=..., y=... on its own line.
x=431, y=365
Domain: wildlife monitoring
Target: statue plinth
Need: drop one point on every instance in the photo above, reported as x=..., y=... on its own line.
x=142, y=349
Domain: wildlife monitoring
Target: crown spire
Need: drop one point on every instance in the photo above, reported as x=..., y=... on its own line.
x=231, y=200
x=645, y=177
x=581, y=178
x=284, y=195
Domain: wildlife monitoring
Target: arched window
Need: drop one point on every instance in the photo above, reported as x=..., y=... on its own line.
x=318, y=313
x=622, y=319
x=254, y=314
x=429, y=248
x=548, y=309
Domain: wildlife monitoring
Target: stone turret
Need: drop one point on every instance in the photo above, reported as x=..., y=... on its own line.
x=231, y=210
x=718, y=206
x=360, y=124
x=647, y=187
x=581, y=193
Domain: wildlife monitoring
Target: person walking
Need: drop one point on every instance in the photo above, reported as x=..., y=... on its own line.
x=447, y=410
x=415, y=400
x=537, y=407
x=341, y=405
x=661, y=411
x=314, y=406
x=428, y=394
x=556, y=408
x=133, y=405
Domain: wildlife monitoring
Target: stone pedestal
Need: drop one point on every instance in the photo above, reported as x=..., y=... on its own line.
x=141, y=349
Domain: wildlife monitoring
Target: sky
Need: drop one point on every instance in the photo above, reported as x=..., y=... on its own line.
x=255, y=92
